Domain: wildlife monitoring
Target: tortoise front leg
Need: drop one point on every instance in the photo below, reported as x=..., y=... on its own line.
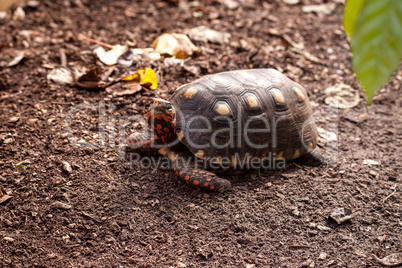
x=186, y=169
x=142, y=141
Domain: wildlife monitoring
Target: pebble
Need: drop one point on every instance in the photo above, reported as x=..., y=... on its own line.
x=9, y=239
x=322, y=256
x=67, y=167
x=13, y=119
x=61, y=205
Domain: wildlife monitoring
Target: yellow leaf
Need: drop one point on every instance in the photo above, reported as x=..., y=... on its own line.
x=134, y=77
x=148, y=77
x=144, y=76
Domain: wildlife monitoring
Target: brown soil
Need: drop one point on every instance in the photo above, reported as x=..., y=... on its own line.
x=114, y=215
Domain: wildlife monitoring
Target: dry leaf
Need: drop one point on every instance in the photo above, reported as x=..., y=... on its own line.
x=205, y=34
x=392, y=260
x=342, y=96
x=145, y=76
x=124, y=89
x=324, y=9
x=90, y=79
x=178, y=45
x=17, y=59
x=110, y=57
x=61, y=76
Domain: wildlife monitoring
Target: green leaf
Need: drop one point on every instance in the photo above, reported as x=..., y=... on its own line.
x=377, y=43
x=352, y=10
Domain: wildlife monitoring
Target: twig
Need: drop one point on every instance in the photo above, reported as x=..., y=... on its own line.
x=385, y=199
x=95, y=41
x=63, y=58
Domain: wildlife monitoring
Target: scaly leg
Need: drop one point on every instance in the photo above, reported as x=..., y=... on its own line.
x=189, y=172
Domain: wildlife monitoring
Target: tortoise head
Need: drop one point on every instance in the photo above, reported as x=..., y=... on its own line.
x=162, y=120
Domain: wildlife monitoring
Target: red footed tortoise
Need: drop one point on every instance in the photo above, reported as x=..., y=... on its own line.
x=228, y=121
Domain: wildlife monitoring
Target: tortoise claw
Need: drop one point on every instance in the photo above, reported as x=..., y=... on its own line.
x=314, y=158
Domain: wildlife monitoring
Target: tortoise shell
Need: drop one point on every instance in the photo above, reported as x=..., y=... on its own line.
x=244, y=114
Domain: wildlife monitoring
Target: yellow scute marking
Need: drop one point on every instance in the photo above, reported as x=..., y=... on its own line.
x=180, y=135
x=200, y=154
x=279, y=156
x=299, y=93
x=233, y=161
x=180, y=87
x=223, y=109
x=217, y=79
x=252, y=101
x=311, y=146
x=278, y=95
x=190, y=92
x=296, y=154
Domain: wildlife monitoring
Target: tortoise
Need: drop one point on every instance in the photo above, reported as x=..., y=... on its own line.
x=229, y=121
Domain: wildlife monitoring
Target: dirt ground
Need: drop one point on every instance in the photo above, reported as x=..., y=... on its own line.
x=84, y=207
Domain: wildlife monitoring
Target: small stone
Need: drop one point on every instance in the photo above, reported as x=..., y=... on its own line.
x=67, y=167
x=61, y=205
x=9, y=239
x=382, y=238
x=8, y=140
x=180, y=264
x=13, y=119
x=306, y=263
x=19, y=14
x=370, y=162
x=323, y=228
x=322, y=256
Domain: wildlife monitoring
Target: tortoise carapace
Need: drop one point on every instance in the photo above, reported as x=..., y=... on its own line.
x=231, y=120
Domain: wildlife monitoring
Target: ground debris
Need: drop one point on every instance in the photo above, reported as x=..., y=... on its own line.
x=205, y=34
x=175, y=44
x=61, y=205
x=392, y=260
x=341, y=215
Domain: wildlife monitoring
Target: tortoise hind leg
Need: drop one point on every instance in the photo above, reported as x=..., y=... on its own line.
x=190, y=173
x=313, y=158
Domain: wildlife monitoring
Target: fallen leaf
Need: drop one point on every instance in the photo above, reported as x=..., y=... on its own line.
x=324, y=9
x=392, y=260
x=341, y=215
x=178, y=45
x=110, y=57
x=342, y=96
x=171, y=61
x=144, y=76
x=205, y=34
x=124, y=89
x=90, y=79
x=17, y=59
x=61, y=76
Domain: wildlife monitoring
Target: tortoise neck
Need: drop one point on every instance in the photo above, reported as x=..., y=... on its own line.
x=163, y=123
